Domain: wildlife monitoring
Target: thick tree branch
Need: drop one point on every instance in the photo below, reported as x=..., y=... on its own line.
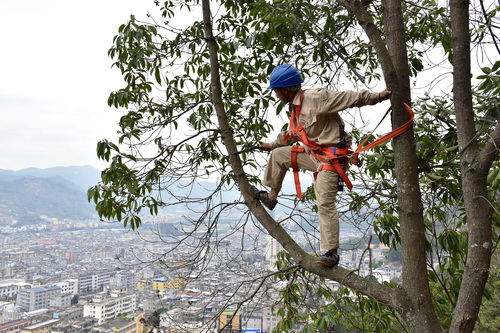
x=474, y=173
x=382, y=293
x=394, y=63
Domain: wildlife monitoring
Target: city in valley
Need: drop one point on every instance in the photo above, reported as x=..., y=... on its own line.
x=90, y=276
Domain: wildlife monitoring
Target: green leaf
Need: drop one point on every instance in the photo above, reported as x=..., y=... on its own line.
x=157, y=75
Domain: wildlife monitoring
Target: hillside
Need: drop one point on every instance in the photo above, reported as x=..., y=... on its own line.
x=32, y=195
x=81, y=176
x=27, y=195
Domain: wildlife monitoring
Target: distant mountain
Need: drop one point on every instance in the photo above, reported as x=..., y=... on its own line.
x=60, y=192
x=82, y=176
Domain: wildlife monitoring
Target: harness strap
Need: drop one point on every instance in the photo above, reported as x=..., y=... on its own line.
x=337, y=168
x=388, y=136
x=296, y=149
x=332, y=156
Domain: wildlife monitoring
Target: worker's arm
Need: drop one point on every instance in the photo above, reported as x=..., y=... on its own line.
x=266, y=146
x=328, y=101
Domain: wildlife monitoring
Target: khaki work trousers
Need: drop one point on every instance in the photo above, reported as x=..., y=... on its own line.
x=325, y=187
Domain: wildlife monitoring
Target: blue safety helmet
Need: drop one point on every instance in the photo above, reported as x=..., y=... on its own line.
x=284, y=76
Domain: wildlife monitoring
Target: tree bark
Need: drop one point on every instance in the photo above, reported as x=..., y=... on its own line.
x=410, y=208
x=474, y=169
x=413, y=301
x=420, y=315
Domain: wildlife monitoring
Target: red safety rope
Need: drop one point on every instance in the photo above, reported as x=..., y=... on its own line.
x=386, y=137
x=296, y=149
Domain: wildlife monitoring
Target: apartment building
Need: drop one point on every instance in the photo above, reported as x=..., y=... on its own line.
x=61, y=301
x=106, y=307
x=10, y=287
x=251, y=321
x=163, y=283
x=229, y=321
x=68, y=286
x=36, y=298
x=125, y=279
x=94, y=281
x=269, y=320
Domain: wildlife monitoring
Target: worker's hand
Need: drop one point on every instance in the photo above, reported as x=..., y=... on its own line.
x=266, y=146
x=383, y=95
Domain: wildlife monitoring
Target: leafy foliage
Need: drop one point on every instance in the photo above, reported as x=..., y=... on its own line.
x=167, y=88
x=167, y=93
x=310, y=303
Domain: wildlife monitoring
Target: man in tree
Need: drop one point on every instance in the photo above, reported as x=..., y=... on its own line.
x=314, y=121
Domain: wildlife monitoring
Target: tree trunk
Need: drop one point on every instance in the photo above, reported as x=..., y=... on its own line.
x=410, y=209
x=474, y=172
x=413, y=301
x=420, y=314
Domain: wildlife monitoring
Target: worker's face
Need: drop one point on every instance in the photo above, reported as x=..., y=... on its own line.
x=280, y=94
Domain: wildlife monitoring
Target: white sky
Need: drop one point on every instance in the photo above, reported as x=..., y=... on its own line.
x=55, y=78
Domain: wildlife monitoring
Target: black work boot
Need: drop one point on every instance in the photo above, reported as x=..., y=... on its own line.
x=263, y=197
x=328, y=259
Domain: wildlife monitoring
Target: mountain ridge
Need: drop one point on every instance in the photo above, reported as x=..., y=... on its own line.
x=30, y=195
x=83, y=176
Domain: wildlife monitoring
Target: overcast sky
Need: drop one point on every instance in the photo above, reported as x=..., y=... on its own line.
x=55, y=78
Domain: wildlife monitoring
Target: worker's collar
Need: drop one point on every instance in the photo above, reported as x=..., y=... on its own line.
x=296, y=99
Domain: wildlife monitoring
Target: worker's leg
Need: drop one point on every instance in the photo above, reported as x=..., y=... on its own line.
x=278, y=165
x=325, y=188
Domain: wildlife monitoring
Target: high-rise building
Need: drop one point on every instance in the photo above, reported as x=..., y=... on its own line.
x=272, y=249
x=70, y=257
x=269, y=319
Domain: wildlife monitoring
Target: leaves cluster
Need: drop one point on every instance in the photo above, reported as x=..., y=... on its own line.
x=169, y=131
x=309, y=304
x=167, y=92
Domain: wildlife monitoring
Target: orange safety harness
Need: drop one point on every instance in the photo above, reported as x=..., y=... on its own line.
x=337, y=158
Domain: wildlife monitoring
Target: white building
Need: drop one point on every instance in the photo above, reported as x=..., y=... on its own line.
x=61, y=301
x=269, y=320
x=68, y=286
x=93, y=281
x=10, y=287
x=105, y=307
x=251, y=321
x=36, y=298
x=272, y=249
x=128, y=280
